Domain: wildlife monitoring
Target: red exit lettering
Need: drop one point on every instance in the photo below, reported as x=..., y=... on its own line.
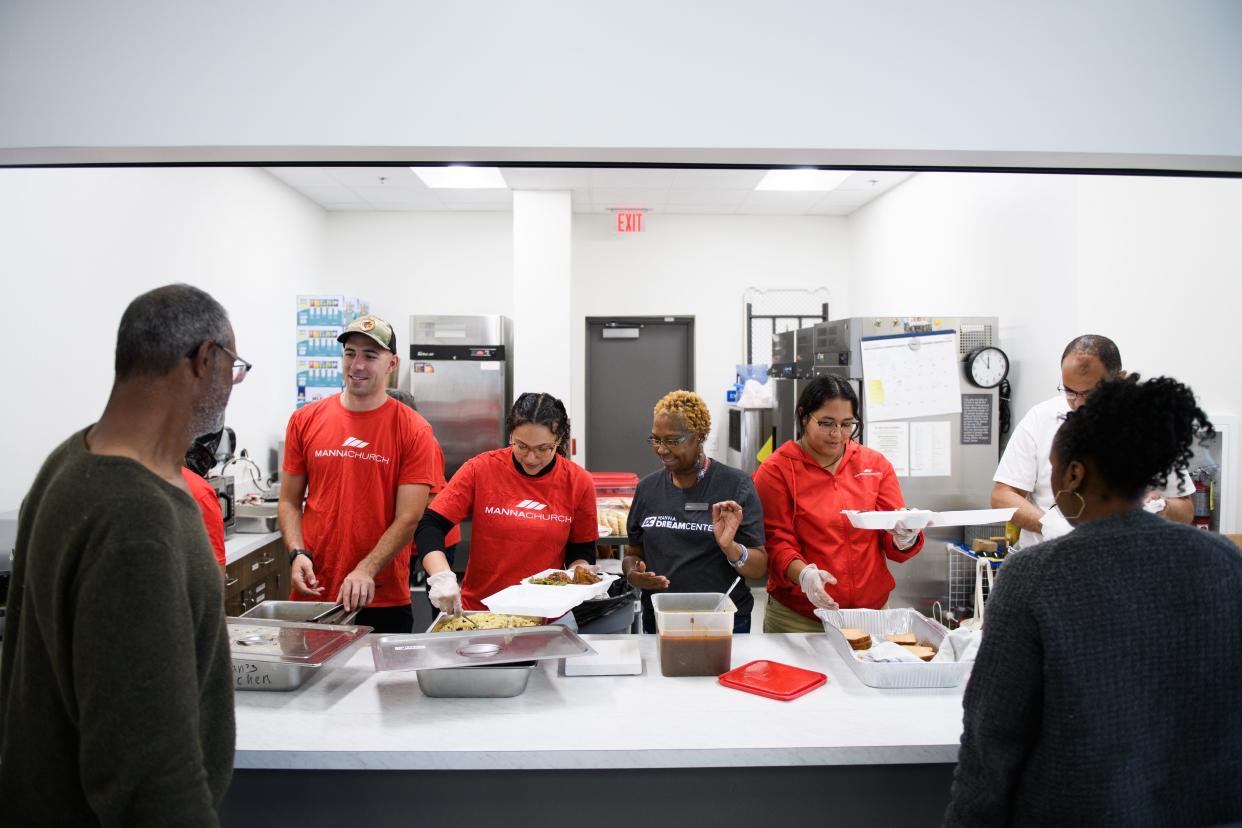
x=629, y=222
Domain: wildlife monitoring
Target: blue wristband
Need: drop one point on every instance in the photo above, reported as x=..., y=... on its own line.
x=740, y=562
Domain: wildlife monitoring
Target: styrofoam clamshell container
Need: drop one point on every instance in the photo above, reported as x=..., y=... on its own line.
x=889, y=675
x=911, y=518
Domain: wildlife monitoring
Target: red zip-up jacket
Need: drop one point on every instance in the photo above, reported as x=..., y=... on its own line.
x=802, y=519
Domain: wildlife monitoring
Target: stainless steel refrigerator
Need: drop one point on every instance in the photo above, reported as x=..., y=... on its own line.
x=461, y=376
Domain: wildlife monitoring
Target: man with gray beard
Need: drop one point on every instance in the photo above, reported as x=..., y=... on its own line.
x=116, y=689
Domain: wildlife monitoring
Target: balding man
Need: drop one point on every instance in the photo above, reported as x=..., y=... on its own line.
x=116, y=685
x=1023, y=478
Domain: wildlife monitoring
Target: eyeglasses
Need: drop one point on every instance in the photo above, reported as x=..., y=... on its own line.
x=545, y=449
x=845, y=425
x=240, y=366
x=668, y=442
x=1071, y=394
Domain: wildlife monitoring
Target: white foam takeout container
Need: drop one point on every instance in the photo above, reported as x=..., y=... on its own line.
x=893, y=675
x=924, y=518
x=545, y=601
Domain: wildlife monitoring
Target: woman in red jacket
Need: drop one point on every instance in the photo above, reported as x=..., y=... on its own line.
x=815, y=557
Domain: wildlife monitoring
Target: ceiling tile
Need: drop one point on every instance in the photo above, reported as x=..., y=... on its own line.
x=707, y=198
x=629, y=197
x=631, y=178
x=779, y=203
x=717, y=179
x=338, y=194
x=298, y=177
x=413, y=198
x=370, y=176
x=533, y=178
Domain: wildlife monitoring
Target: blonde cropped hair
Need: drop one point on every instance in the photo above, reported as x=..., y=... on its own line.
x=690, y=407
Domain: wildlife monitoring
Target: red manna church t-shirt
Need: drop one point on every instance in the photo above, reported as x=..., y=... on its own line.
x=521, y=524
x=354, y=461
x=204, y=495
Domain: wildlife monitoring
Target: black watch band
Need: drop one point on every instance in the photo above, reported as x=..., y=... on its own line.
x=293, y=554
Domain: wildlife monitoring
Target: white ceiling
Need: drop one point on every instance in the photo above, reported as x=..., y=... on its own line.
x=717, y=192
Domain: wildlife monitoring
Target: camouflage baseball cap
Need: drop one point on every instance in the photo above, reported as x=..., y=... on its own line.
x=374, y=327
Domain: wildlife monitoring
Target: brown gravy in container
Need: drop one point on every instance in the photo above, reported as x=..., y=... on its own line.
x=696, y=655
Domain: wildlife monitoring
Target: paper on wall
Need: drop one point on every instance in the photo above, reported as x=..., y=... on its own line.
x=930, y=449
x=911, y=375
x=893, y=441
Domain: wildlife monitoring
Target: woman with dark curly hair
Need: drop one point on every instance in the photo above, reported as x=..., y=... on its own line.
x=696, y=524
x=1108, y=688
x=533, y=509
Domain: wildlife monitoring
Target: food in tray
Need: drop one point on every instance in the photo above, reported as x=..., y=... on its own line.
x=585, y=577
x=581, y=576
x=925, y=653
x=857, y=638
x=557, y=578
x=905, y=639
x=484, y=621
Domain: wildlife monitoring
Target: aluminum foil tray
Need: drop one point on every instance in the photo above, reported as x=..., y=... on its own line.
x=892, y=676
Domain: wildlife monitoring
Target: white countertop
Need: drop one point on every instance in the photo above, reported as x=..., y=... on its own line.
x=350, y=716
x=240, y=545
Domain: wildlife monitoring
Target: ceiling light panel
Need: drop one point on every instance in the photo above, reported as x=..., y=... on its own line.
x=461, y=178
x=803, y=180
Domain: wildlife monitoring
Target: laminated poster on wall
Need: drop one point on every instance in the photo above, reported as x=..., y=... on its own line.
x=893, y=441
x=931, y=449
x=907, y=376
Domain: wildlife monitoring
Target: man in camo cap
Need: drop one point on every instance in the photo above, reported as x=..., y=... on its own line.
x=365, y=464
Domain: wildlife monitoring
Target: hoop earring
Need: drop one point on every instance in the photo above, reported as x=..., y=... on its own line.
x=1082, y=503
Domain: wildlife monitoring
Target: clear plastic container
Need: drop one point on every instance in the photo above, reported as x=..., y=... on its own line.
x=696, y=639
x=614, y=484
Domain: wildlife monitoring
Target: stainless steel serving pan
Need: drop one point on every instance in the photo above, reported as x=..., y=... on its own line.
x=475, y=663
x=270, y=653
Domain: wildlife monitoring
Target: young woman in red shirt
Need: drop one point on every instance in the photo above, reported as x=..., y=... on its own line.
x=532, y=509
x=815, y=557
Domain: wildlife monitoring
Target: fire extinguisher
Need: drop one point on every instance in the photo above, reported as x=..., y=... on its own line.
x=1202, y=504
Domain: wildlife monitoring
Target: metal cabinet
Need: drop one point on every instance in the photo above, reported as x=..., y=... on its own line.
x=253, y=579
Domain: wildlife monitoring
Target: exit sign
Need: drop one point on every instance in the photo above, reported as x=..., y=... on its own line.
x=629, y=221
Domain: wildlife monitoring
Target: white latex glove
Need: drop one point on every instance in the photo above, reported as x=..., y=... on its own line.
x=1053, y=524
x=444, y=592
x=1156, y=505
x=904, y=538
x=812, y=581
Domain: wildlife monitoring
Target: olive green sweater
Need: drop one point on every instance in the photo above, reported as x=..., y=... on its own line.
x=116, y=690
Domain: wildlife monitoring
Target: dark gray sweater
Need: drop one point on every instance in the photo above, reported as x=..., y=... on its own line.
x=116, y=689
x=1108, y=688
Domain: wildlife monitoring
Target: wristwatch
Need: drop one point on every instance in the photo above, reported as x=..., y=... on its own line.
x=293, y=555
x=740, y=562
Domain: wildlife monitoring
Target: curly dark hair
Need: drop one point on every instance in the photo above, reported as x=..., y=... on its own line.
x=819, y=391
x=1135, y=433
x=541, y=409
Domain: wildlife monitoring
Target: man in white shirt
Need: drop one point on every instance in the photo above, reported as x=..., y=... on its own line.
x=1023, y=478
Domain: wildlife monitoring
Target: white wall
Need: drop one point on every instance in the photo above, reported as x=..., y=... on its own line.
x=981, y=244
x=421, y=263
x=1152, y=263
x=77, y=245
x=828, y=80
x=700, y=266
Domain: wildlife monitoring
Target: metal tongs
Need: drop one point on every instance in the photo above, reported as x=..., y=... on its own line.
x=464, y=617
x=335, y=615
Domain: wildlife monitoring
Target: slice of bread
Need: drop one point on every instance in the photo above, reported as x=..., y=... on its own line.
x=904, y=639
x=857, y=638
x=925, y=653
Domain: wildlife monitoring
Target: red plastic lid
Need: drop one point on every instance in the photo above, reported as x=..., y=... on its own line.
x=773, y=679
x=614, y=478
